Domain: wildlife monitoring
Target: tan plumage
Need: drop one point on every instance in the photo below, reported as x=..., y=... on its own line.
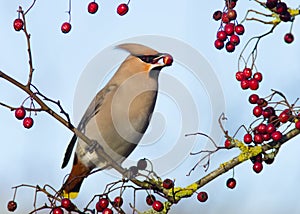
x=119, y=114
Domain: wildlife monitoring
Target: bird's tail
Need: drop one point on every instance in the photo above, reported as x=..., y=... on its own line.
x=71, y=187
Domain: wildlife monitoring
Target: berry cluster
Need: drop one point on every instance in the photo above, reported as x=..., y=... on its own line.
x=281, y=8
x=229, y=30
x=20, y=114
x=248, y=79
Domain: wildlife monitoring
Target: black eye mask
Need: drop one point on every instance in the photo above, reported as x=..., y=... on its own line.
x=152, y=59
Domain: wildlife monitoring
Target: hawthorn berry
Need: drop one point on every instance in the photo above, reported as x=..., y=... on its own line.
x=247, y=138
x=274, y=120
x=66, y=27
x=271, y=3
x=297, y=124
x=168, y=183
x=257, y=158
x=227, y=144
x=257, y=111
x=239, y=29
x=231, y=183
x=28, y=122
x=284, y=117
x=157, y=206
x=245, y=84
x=217, y=15
x=225, y=18
x=142, y=164
x=231, y=14
x=118, y=201
x=266, y=136
x=285, y=17
x=221, y=35
x=20, y=113
x=230, y=47
x=202, y=196
x=270, y=128
x=253, y=98
x=93, y=7
x=268, y=112
x=257, y=167
x=107, y=211
x=247, y=72
x=262, y=128
x=258, y=76
x=239, y=76
x=277, y=135
x=281, y=8
x=258, y=138
x=168, y=59
x=229, y=29
x=219, y=44
x=103, y=203
x=66, y=203
x=234, y=39
x=253, y=84
x=289, y=38
x=134, y=170
x=12, y=206
x=57, y=210
x=262, y=102
x=18, y=24
x=122, y=9
x=150, y=199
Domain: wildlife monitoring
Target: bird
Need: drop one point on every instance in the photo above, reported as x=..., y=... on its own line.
x=118, y=116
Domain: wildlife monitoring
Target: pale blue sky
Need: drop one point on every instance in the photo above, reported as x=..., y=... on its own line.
x=34, y=156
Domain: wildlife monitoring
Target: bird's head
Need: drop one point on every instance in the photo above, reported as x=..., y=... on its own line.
x=148, y=57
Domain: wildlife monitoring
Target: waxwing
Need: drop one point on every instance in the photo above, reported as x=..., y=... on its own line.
x=118, y=116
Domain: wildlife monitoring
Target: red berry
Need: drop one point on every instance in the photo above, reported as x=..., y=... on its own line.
x=258, y=76
x=219, y=44
x=66, y=27
x=239, y=76
x=245, y=84
x=234, y=39
x=270, y=128
x=227, y=144
x=221, y=35
x=257, y=167
x=276, y=135
x=168, y=183
x=247, y=72
x=269, y=160
x=253, y=84
x=274, y=120
x=18, y=24
x=247, y=138
x=103, y=203
x=118, y=201
x=266, y=136
x=57, y=210
x=202, y=196
x=11, y=206
x=20, y=113
x=230, y=47
x=229, y=29
x=258, y=138
x=66, y=203
x=239, y=29
x=231, y=4
x=217, y=15
x=253, y=98
x=93, y=7
x=268, y=112
x=262, y=102
x=107, y=211
x=231, y=14
x=150, y=199
x=231, y=183
x=271, y=3
x=142, y=164
x=297, y=124
x=257, y=111
x=257, y=158
x=157, y=206
x=281, y=8
x=225, y=18
x=289, y=38
x=284, y=117
x=28, y=122
x=122, y=9
x=168, y=59
x=262, y=128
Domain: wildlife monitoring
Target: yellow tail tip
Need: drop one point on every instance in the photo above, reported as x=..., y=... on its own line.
x=70, y=195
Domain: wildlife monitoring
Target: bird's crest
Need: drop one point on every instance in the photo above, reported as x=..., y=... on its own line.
x=137, y=49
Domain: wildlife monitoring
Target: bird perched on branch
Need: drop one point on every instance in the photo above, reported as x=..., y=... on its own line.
x=118, y=116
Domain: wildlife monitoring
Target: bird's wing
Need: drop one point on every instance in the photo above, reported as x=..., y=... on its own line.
x=91, y=111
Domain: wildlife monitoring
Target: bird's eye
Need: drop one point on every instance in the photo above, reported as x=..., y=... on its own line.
x=148, y=58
